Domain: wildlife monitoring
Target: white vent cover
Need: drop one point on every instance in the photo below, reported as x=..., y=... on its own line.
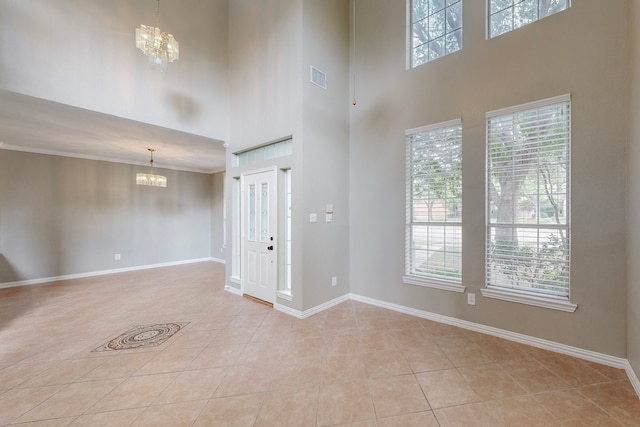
x=318, y=78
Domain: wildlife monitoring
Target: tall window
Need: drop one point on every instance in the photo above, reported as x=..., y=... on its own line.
x=528, y=233
x=508, y=15
x=434, y=203
x=436, y=29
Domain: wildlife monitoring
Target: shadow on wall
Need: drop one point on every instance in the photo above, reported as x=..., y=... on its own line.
x=7, y=273
x=185, y=106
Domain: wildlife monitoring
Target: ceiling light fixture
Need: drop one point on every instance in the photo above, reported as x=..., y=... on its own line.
x=160, y=47
x=150, y=178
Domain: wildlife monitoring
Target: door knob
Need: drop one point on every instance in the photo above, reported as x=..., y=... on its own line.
x=269, y=248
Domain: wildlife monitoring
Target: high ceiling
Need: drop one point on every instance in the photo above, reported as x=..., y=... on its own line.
x=72, y=82
x=48, y=127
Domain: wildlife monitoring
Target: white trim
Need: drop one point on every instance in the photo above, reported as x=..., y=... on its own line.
x=235, y=279
x=521, y=298
x=529, y=106
x=633, y=378
x=284, y=295
x=448, y=123
x=433, y=283
x=219, y=260
x=233, y=290
x=98, y=273
x=592, y=356
x=314, y=310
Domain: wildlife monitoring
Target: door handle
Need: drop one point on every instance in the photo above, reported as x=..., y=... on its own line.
x=269, y=248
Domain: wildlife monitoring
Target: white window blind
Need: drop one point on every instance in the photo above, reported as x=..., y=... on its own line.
x=436, y=29
x=434, y=202
x=508, y=15
x=528, y=227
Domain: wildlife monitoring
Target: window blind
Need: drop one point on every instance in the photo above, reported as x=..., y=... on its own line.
x=434, y=202
x=528, y=178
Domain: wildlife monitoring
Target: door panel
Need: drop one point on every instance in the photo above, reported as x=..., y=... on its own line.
x=259, y=233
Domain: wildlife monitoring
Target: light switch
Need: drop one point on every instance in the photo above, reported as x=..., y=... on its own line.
x=329, y=208
x=328, y=217
x=313, y=217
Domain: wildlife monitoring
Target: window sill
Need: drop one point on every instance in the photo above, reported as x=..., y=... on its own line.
x=433, y=283
x=523, y=298
x=285, y=294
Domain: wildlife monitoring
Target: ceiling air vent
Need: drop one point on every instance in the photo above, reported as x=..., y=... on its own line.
x=318, y=78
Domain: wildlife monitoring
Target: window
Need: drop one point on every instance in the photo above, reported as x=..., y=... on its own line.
x=434, y=206
x=507, y=15
x=528, y=233
x=436, y=29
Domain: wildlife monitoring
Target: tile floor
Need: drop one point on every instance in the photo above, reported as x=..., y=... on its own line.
x=239, y=363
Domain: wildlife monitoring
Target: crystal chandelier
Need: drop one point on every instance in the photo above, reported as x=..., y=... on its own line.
x=160, y=47
x=150, y=178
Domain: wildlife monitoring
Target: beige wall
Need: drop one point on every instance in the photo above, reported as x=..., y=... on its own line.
x=581, y=51
x=62, y=216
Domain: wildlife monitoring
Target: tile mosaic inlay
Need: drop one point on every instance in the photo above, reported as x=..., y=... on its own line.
x=143, y=336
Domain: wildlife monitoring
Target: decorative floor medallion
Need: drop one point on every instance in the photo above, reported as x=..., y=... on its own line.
x=143, y=337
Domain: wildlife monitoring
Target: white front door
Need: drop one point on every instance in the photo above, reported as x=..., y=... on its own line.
x=259, y=232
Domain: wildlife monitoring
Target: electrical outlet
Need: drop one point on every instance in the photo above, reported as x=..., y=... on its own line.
x=471, y=299
x=117, y=257
x=334, y=281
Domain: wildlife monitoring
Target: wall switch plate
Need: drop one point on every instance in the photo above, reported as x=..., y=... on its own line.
x=334, y=281
x=313, y=217
x=329, y=217
x=471, y=299
x=117, y=257
x=328, y=208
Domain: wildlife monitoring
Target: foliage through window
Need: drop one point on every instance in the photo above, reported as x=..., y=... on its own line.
x=434, y=202
x=508, y=15
x=436, y=29
x=528, y=160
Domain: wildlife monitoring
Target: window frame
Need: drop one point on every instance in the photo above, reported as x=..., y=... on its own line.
x=489, y=15
x=446, y=32
x=426, y=280
x=513, y=294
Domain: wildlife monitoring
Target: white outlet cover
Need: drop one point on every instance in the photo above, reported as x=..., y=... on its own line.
x=313, y=217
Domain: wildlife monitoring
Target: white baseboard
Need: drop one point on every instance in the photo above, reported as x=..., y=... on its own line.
x=100, y=273
x=219, y=260
x=314, y=310
x=233, y=290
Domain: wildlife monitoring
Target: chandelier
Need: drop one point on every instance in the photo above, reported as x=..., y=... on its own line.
x=150, y=178
x=160, y=47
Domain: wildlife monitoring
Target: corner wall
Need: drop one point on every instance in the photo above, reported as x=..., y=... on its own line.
x=62, y=216
x=633, y=191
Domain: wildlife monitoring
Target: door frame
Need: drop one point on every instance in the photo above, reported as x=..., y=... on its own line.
x=243, y=213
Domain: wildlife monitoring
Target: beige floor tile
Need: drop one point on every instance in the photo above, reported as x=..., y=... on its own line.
x=300, y=348
x=469, y=354
x=343, y=368
x=174, y=415
x=521, y=411
x=170, y=360
x=386, y=363
x=574, y=371
x=192, y=339
x=414, y=337
x=16, y=402
x=74, y=399
x=64, y=372
x=616, y=400
x=192, y=385
x=532, y=376
x=108, y=419
x=566, y=405
x=118, y=366
x=344, y=402
x=424, y=359
x=289, y=408
x=474, y=414
x=500, y=350
x=343, y=344
x=247, y=321
x=446, y=388
x=420, y=419
x=491, y=382
x=233, y=411
x=14, y=375
x=296, y=373
x=254, y=352
x=397, y=395
x=212, y=323
x=233, y=336
x=134, y=392
x=217, y=356
x=245, y=379
x=278, y=333
x=56, y=422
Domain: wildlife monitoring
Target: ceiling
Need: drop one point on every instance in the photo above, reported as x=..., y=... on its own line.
x=49, y=127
